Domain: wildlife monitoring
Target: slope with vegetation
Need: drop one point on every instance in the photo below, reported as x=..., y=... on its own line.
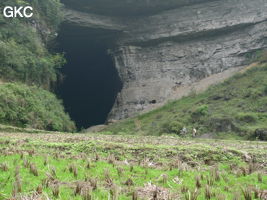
x=25, y=106
x=23, y=51
x=26, y=60
x=235, y=108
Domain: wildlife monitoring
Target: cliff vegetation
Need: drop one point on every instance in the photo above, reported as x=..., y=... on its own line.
x=26, y=60
x=32, y=107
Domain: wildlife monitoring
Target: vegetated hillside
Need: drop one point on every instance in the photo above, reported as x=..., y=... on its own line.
x=25, y=106
x=23, y=44
x=237, y=107
x=25, y=58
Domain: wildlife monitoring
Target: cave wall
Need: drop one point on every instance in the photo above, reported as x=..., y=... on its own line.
x=172, y=46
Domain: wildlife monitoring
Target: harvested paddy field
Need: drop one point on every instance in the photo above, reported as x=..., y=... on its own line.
x=85, y=166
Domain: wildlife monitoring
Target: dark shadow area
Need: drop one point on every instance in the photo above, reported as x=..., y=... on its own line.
x=91, y=82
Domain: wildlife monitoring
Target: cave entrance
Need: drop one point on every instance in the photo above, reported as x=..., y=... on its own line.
x=91, y=82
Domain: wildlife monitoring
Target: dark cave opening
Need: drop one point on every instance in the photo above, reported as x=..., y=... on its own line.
x=91, y=82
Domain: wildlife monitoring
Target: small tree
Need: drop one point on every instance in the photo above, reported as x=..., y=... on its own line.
x=173, y=127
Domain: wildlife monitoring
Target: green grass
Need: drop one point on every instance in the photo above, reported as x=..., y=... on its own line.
x=169, y=163
x=234, y=108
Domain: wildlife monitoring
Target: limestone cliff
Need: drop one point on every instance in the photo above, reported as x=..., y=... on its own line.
x=162, y=46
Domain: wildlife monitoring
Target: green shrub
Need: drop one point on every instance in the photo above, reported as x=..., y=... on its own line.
x=257, y=56
x=221, y=124
x=254, y=93
x=265, y=90
x=248, y=117
x=19, y=63
x=50, y=10
x=172, y=127
x=263, y=56
x=200, y=111
x=32, y=107
x=261, y=134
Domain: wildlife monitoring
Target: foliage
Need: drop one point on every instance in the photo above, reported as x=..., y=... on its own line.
x=200, y=111
x=24, y=57
x=172, y=127
x=32, y=107
x=50, y=11
x=21, y=64
x=262, y=56
x=23, y=52
x=257, y=56
x=247, y=117
x=265, y=89
x=236, y=106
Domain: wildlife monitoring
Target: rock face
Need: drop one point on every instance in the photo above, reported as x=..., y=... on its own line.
x=172, y=44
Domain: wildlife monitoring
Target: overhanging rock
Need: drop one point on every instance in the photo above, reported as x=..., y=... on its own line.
x=172, y=44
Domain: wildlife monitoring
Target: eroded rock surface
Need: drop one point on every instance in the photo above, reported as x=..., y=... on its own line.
x=170, y=43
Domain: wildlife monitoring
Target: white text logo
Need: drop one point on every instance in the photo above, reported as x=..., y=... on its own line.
x=14, y=12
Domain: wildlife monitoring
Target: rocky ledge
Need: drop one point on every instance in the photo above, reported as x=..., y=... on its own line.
x=164, y=46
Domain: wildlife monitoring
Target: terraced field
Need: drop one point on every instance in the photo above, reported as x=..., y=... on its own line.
x=79, y=166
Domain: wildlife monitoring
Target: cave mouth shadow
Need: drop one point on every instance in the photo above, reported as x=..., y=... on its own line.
x=91, y=82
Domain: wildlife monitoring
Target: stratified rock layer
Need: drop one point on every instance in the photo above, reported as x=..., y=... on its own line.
x=164, y=49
